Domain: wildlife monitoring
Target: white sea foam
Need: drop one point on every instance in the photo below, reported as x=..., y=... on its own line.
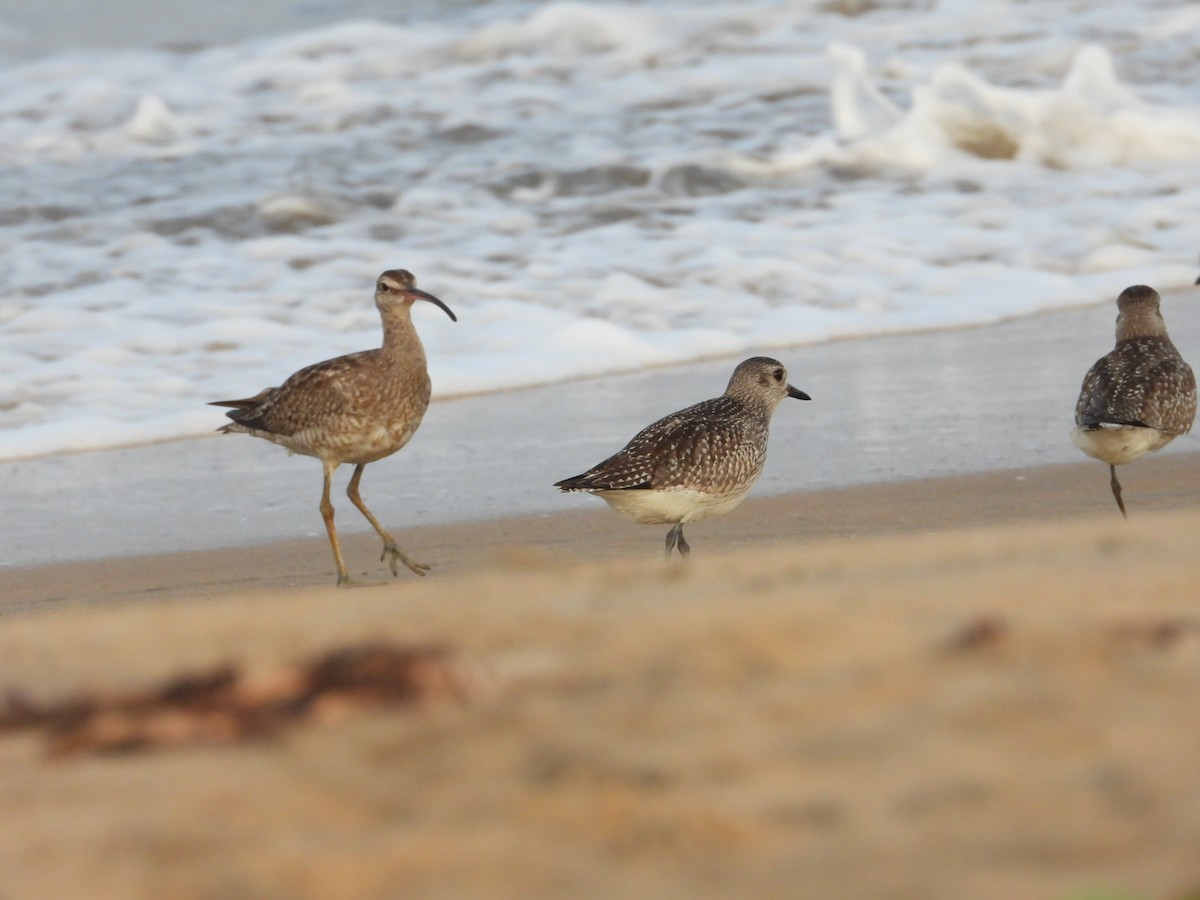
x=592, y=187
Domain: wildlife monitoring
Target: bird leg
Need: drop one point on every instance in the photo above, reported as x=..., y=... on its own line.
x=1116, y=489
x=391, y=550
x=684, y=550
x=327, y=515
x=675, y=538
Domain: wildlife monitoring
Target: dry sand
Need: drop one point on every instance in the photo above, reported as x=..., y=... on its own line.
x=977, y=687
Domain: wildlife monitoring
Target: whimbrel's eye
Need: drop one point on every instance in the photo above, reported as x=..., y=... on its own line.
x=778, y=374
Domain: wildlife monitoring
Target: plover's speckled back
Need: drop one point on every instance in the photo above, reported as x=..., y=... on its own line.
x=698, y=462
x=1139, y=397
x=352, y=409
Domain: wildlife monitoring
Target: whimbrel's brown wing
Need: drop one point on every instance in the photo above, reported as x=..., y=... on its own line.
x=1142, y=382
x=312, y=397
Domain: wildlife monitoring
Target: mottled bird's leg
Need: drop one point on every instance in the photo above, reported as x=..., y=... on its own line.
x=675, y=539
x=1116, y=489
x=327, y=515
x=391, y=550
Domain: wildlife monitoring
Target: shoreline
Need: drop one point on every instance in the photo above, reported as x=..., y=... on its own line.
x=898, y=408
x=1063, y=492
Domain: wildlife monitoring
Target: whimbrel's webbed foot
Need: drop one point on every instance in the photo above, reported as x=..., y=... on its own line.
x=392, y=553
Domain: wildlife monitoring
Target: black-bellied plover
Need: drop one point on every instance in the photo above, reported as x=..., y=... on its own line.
x=356, y=408
x=697, y=463
x=1139, y=397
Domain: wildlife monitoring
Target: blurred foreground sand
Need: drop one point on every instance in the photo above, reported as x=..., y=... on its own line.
x=965, y=710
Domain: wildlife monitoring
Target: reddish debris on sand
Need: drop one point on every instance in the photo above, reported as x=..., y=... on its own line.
x=222, y=706
x=982, y=631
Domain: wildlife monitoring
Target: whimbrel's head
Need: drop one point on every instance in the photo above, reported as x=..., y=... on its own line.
x=762, y=381
x=1138, y=314
x=399, y=286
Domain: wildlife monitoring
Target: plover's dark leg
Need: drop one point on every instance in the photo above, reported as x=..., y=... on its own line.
x=675, y=539
x=672, y=537
x=343, y=577
x=391, y=550
x=1116, y=489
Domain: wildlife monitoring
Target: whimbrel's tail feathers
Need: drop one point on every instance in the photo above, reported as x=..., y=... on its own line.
x=244, y=404
x=242, y=412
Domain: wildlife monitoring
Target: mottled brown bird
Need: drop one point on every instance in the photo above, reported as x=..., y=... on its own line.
x=1139, y=397
x=697, y=463
x=355, y=409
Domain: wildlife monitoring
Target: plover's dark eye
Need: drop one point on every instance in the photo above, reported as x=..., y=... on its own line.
x=779, y=374
x=384, y=286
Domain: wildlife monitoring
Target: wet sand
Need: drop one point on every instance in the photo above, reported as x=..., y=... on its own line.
x=982, y=686
x=1169, y=481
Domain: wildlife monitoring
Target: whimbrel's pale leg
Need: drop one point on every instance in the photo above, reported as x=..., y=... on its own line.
x=1116, y=489
x=391, y=550
x=327, y=515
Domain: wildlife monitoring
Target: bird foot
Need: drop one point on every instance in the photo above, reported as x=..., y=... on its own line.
x=345, y=581
x=392, y=553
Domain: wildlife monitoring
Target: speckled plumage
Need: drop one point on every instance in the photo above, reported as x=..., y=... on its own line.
x=1141, y=395
x=695, y=463
x=356, y=409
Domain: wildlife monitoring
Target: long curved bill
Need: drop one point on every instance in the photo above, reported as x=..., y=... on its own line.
x=424, y=295
x=797, y=393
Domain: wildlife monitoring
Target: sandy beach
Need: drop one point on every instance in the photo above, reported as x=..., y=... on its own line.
x=978, y=686
x=926, y=660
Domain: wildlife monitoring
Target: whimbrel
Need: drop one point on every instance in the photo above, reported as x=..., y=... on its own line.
x=356, y=408
x=1139, y=397
x=697, y=463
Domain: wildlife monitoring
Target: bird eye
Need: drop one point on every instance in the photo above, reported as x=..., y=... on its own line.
x=779, y=374
x=384, y=287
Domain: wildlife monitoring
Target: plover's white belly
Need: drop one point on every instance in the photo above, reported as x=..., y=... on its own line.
x=667, y=507
x=1119, y=444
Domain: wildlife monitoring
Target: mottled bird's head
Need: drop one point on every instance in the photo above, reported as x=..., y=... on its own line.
x=399, y=286
x=761, y=380
x=1138, y=313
